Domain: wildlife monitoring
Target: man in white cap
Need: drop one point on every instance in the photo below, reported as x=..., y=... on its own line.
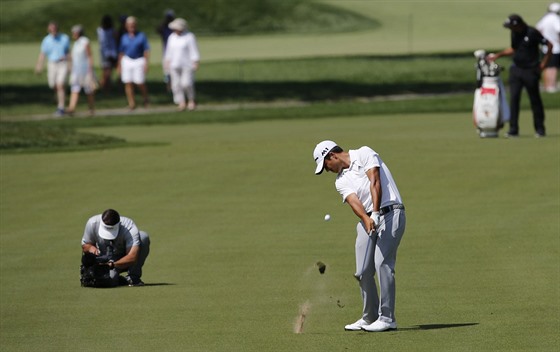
x=116, y=242
x=549, y=26
x=367, y=186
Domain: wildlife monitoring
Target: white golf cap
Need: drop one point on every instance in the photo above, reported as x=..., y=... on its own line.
x=554, y=7
x=321, y=150
x=109, y=232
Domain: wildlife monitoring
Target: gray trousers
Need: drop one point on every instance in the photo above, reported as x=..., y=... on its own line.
x=135, y=271
x=378, y=253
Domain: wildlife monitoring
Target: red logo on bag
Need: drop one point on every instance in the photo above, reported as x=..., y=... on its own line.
x=488, y=91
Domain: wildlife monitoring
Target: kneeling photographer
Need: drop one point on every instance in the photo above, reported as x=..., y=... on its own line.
x=112, y=244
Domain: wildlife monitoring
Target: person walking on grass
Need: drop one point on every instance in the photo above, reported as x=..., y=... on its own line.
x=134, y=56
x=106, y=36
x=181, y=61
x=81, y=75
x=549, y=26
x=164, y=32
x=55, y=48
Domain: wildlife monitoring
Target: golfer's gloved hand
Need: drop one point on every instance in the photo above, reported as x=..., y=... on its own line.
x=375, y=217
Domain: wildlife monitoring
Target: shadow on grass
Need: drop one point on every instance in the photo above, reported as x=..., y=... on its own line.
x=246, y=91
x=324, y=90
x=159, y=284
x=437, y=326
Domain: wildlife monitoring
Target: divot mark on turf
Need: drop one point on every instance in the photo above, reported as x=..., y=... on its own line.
x=300, y=320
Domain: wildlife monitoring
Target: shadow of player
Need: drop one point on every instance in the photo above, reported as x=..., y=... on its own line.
x=436, y=326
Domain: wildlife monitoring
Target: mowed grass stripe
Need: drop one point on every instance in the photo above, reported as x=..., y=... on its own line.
x=236, y=218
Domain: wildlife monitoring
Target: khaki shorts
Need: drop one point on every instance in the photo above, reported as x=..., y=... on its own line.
x=57, y=73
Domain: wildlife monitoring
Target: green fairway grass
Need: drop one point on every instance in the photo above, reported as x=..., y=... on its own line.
x=235, y=216
x=229, y=198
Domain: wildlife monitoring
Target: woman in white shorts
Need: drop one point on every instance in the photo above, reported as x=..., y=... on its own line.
x=81, y=75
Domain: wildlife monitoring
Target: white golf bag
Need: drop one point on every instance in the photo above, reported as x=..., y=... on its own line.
x=490, y=108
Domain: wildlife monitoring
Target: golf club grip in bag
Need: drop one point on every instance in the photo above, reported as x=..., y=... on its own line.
x=490, y=109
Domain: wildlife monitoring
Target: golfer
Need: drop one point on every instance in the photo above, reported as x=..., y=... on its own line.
x=367, y=186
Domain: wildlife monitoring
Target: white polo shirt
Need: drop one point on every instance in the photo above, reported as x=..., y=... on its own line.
x=549, y=26
x=354, y=179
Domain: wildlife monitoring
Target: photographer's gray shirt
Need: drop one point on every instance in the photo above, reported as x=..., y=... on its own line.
x=127, y=237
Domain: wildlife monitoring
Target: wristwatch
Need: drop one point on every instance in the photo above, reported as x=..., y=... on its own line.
x=111, y=264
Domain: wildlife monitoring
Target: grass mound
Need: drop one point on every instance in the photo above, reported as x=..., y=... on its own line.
x=205, y=17
x=18, y=136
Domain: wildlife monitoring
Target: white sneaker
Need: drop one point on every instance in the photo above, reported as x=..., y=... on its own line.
x=379, y=325
x=357, y=326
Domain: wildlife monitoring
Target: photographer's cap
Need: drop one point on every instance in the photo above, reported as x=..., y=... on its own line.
x=109, y=224
x=109, y=232
x=321, y=150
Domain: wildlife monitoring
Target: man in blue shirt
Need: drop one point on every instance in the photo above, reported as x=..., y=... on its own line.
x=55, y=47
x=134, y=55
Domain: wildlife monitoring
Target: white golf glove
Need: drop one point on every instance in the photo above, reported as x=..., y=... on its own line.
x=375, y=217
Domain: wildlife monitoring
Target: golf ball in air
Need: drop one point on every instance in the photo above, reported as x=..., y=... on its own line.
x=327, y=217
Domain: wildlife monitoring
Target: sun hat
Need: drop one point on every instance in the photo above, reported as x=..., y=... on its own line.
x=321, y=150
x=77, y=28
x=554, y=7
x=178, y=24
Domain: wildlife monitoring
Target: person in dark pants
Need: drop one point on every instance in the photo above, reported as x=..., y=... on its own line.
x=525, y=71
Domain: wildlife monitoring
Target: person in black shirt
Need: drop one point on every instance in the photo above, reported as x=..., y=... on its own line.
x=525, y=71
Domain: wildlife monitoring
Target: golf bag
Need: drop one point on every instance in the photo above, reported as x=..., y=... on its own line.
x=490, y=108
x=94, y=275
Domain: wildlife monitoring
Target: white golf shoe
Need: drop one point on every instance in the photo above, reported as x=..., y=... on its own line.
x=379, y=325
x=357, y=326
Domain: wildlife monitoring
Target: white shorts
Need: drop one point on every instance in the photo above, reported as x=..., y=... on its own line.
x=132, y=70
x=81, y=80
x=57, y=73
